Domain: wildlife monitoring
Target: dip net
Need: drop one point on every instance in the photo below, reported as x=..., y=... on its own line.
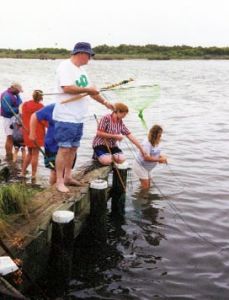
x=137, y=98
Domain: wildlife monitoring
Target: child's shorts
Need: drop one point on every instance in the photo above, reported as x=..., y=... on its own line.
x=7, y=122
x=19, y=147
x=103, y=150
x=140, y=171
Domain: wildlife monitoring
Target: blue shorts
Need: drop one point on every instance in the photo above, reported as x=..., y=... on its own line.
x=103, y=150
x=68, y=135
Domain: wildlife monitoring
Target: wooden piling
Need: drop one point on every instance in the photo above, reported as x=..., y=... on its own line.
x=98, y=210
x=62, y=229
x=60, y=260
x=118, y=193
x=8, y=268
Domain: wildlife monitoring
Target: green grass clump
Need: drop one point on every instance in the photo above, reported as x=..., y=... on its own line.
x=14, y=199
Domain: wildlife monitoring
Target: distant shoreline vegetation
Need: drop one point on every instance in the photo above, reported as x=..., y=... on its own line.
x=104, y=52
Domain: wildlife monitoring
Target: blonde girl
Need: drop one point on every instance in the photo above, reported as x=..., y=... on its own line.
x=143, y=165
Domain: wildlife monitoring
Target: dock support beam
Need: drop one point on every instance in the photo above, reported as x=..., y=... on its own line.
x=98, y=210
x=61, y=250
x=118, y=192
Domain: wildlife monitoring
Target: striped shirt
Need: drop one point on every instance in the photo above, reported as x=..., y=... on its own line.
x=107, y=125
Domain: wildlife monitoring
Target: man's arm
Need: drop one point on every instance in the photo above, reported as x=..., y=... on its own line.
x=103, y=101
x=73, y=89
x=92, y=92
x=137, y=144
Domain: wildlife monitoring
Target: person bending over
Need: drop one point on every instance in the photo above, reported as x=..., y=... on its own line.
x=51, y=147
x=10, y=102
x=143, y=165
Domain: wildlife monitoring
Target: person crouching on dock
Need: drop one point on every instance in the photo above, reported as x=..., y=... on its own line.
x=110, y=131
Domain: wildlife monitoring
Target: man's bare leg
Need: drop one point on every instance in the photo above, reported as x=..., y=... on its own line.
x=63, y=159
x=34, y=161
x=9, y=147
x=68, y=179
x=26, y=162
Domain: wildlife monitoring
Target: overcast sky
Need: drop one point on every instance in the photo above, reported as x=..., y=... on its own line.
x=28, y=24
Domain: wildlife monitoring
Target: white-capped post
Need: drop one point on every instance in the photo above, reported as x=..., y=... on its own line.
x=98, y=209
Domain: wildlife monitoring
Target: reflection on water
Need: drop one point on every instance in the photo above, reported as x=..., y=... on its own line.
x=147, y=211
x=110, y=268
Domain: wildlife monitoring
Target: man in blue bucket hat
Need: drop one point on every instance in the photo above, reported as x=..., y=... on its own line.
x=83, y=48
x=72, y=80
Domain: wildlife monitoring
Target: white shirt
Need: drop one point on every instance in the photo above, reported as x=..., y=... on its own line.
x=152, y=151
x=74, y=112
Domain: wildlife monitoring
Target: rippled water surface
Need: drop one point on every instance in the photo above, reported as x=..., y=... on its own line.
x=173, y=241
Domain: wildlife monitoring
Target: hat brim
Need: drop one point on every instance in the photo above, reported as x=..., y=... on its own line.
x=91, y=53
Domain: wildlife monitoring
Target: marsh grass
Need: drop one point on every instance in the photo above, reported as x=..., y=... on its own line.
x=14, y=199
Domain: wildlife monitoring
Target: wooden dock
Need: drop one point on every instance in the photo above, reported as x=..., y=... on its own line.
x=29, y=237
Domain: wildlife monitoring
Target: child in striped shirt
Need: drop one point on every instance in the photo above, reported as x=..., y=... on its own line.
x=111, y=129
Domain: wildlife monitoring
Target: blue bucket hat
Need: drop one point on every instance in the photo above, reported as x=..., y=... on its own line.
x=83, y=47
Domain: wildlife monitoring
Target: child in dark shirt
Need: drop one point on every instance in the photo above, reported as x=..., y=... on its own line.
x=18, y=141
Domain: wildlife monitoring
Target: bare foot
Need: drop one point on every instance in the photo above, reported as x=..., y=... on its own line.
x=62, y=188
x=33, y=179
x=73, y=182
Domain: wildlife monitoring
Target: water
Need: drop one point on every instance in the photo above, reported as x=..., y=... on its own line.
x=172, y=243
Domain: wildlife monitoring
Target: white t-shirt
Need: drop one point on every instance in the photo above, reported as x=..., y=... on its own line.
x=152, y=151
x=68, y=74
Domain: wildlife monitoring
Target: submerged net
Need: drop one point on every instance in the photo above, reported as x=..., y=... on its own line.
x=138, y=98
